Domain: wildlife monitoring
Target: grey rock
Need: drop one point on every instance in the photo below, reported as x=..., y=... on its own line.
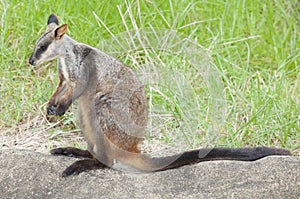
x=28, y=174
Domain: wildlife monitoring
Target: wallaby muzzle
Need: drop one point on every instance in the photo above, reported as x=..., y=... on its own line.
x=31, y=60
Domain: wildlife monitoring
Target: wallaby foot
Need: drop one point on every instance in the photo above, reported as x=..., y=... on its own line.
x=81, y=166
x=72, y=152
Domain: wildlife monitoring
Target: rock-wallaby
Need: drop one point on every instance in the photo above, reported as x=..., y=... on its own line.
x=113, y=109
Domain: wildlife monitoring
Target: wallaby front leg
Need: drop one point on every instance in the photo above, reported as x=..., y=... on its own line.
x=62, y=97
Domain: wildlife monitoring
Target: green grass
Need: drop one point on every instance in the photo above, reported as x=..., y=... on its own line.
x=254, y=45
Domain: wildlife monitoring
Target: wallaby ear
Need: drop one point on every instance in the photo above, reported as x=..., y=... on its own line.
x=53, y=19
x=60, y=31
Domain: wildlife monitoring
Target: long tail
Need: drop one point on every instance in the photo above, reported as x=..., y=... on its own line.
x=240, y=154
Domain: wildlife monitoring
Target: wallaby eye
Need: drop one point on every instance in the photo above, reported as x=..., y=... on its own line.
x=44, y=48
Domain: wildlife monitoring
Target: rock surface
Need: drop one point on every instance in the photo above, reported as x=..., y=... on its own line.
x=27, y=174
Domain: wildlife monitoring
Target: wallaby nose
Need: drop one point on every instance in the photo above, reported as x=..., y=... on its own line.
x=31, y=60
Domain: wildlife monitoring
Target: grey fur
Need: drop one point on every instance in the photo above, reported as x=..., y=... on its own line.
x=112, y=100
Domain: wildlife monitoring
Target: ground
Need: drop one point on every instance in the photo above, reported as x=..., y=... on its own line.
x=28, y=174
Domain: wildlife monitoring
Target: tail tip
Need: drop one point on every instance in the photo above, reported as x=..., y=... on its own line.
x=277, y=151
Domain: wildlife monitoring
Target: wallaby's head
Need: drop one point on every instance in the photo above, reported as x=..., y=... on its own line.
x=48, y=45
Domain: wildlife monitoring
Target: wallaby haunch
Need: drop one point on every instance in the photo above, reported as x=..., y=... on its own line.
x=113, y=109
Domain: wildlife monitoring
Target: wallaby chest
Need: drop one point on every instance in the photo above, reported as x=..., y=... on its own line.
x=63, y=69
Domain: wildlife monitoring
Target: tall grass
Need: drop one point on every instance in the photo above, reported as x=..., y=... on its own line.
x=254, y=45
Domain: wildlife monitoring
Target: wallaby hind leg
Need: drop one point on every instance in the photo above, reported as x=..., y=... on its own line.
x=81, y=166
x=72, y=152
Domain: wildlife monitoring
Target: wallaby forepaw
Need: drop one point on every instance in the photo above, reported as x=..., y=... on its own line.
x=51, y=110
x=57, y=110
